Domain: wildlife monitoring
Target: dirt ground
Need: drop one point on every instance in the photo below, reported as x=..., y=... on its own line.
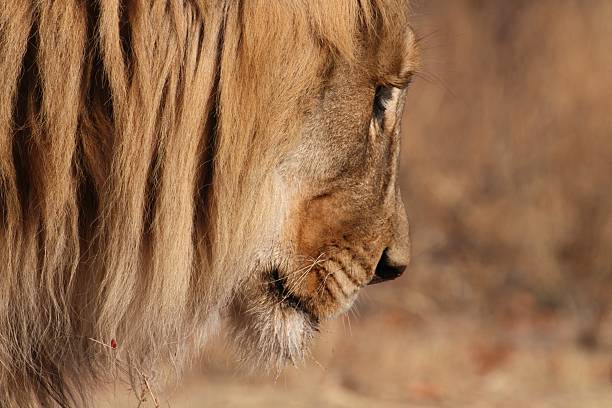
x=507, y=155
x=390, y=358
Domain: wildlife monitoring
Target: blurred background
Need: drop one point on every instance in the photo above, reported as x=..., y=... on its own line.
x=507, y=160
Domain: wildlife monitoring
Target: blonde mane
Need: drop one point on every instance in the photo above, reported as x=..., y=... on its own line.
x=132, y=136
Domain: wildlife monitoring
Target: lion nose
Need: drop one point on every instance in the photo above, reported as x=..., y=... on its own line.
x=386, y=269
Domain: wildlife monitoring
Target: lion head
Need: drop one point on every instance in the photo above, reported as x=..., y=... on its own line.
x=165, y=165
x=324, y=203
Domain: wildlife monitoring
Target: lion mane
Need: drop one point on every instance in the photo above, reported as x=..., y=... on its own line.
x=131, y=134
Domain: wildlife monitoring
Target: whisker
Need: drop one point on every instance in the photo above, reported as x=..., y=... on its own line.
x=301, y=279
x=335, y=280
x=348, y=320
x=324, y=282
x=323, y=286
x=308, y=268
x=304, y=271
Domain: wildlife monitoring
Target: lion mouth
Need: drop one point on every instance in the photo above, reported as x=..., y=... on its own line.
x=273, y=325
x=279, y=289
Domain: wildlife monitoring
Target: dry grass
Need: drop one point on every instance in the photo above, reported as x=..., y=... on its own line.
x=507, y=159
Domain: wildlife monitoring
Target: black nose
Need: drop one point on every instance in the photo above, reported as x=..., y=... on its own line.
x=386, y=269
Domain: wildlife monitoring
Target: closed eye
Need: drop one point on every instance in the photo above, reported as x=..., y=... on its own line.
x=384, y=93
x=381, y=96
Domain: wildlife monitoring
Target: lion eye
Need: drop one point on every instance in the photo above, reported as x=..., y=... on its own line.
x=381, y=96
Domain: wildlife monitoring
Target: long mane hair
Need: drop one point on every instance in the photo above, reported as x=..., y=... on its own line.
x=132, y=136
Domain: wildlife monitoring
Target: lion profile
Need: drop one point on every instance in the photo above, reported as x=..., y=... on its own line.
x=166, y=164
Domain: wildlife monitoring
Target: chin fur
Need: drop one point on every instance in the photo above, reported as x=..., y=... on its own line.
x=271, y=333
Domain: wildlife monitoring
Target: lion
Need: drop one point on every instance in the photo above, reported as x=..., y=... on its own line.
x=169, y=165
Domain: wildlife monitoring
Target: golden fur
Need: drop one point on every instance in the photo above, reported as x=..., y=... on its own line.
x=137, y=139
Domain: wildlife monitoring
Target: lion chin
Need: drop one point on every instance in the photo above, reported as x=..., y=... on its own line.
x=273, y=327
x=274, y=323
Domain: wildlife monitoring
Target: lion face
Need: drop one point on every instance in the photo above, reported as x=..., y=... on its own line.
x=342, y=220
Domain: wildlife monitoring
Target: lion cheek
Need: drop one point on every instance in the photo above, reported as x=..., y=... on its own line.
x=319, y=222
